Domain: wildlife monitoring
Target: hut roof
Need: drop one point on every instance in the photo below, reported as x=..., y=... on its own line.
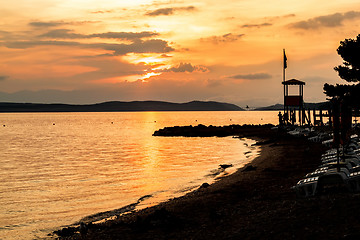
x=293, y=82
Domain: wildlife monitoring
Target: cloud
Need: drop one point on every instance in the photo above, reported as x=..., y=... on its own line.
x=289, y=15
x=63, y=33
x=186, y=67
x=256, y=25
x=107, y=68
x=229, y=37
x=169, y=11
x=69, y=34
x=29, y=44
x=139, y=46
x=332, y=20
x=253, y=76
x=275, y=18
x=50, y=24
x=103, y=12
x=4, y=35
x=125, y=35
x=47, y=24
x=214, y=83
x=3, y=78
x=165, y=56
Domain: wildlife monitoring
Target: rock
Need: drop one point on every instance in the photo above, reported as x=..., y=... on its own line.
x=204, y=185
x=249, y=168
x=83, y=229
x=144, y=198
x=66, y=232
x=224, y=166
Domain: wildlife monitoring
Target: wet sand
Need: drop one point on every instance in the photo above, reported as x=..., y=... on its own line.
x=256, y=202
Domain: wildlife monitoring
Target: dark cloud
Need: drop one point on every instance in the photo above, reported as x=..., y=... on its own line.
x=165, y=56
x=161, y=11
x=51, y=24
x=333, y=20
x=106, y=68
x=125, y=35
x=289, y=15
x=4, y=35
x=186, y=67
x=3, y=78
x=169, y=11
x=280, y=17
x=224, y=38
x=139, y=46
x=149, y=46
x=46, y=24
x=253, y=76
x=256, y=25
x=63, y=33
x=30, y=44
x=139, y=42
x=69, y=34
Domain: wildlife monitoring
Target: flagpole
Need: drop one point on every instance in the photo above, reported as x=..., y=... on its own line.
x=284, y=67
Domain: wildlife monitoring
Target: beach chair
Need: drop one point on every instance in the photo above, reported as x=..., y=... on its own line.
x=306, y=187
x=354, y=181
x=332, y=178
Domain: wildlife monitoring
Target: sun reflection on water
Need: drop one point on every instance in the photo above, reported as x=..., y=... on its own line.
x=55, y=174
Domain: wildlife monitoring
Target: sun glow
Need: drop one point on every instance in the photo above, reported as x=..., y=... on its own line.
x=148, y=75
x=147, y=59
x=157, y=63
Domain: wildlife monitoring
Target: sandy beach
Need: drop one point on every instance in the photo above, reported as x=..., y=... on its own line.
x=256, y=202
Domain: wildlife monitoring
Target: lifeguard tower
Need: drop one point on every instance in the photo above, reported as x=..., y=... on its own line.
x=293, y=102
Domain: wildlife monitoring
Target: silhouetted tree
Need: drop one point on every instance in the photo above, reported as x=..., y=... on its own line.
x=349, y=50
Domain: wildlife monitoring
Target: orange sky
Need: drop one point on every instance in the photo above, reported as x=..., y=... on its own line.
x=77, y=51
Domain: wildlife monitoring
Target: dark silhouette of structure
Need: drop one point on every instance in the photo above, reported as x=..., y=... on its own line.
x=293, y=102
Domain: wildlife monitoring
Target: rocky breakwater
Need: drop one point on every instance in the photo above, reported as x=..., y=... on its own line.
x=210, y=131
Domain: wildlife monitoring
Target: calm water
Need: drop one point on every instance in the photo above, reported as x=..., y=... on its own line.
x=57, y=168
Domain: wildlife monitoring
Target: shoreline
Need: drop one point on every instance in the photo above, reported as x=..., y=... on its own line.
x=256, y=202
x=213, y=175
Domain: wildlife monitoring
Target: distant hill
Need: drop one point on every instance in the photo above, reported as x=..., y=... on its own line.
x=117, y=106
x=279, y=107
x=270, y=108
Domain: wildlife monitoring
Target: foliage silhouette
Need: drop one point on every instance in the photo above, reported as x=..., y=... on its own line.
x=349, y=50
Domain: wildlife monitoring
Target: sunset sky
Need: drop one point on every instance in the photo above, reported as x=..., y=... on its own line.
x=88, y=51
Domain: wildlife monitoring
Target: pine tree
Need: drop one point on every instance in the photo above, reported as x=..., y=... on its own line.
x=349, y=70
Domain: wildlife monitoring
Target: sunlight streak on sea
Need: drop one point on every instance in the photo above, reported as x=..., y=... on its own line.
x=57, y=168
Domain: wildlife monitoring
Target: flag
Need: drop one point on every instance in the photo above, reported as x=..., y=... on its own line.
x=285, y=60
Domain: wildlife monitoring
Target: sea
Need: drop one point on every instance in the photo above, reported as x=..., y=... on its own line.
x=56, y=169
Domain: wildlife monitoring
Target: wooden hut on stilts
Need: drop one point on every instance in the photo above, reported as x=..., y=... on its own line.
x=294, y=109
x=293, y=102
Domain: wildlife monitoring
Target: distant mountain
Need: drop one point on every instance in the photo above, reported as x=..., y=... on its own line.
x=279, y=107
x=270, y=108
x=117, y=106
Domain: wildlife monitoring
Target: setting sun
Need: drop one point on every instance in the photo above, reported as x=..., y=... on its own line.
x=147, y=59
